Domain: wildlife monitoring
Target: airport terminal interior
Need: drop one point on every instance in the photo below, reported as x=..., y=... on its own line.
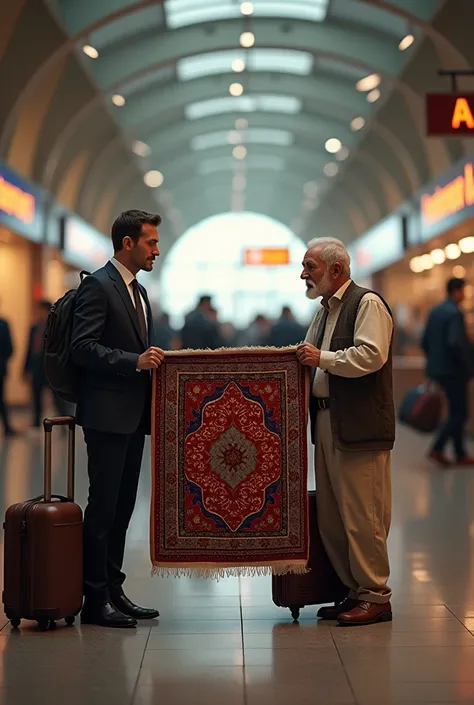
x=252, y=129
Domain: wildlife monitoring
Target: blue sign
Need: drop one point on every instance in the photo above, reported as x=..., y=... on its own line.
x=21, y=205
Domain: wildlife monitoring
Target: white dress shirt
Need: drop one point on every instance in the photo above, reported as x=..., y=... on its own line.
x=128, y=278
x=372, y=337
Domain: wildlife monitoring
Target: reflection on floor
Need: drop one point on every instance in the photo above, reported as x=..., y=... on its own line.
x=226, y=643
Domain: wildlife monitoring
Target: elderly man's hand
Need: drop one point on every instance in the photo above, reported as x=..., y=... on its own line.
x=307, y=354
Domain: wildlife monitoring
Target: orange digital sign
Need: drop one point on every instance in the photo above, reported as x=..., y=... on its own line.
x=449, y=114
x=16, y=202
x=269, y=256
x=449, y=199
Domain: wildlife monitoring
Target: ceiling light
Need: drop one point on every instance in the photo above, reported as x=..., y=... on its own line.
x=238, y=65
x=406, y=42
x=467, y=244
x=373, y=95
x=118, y=100
x=342, y=154
x=234, y=137
x=239, y=152
x=247, y=39
x=333, y=145
x=368, y=83
x=416, y=265
x=90, y=51
x=140, y=148
x=247, y=8
x=241, y=124
x=459, y=271
x=357, y=123
x=438, y=256
x=452, y=251
x=153, y=179
x=426, y=261
x=236, y=89
x=331, y=169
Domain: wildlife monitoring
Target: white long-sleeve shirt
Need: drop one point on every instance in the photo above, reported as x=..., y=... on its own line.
x=372, y=337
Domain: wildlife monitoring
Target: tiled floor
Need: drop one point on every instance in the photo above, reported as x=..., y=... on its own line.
x=224, y=643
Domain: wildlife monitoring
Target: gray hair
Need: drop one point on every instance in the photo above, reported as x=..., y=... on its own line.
x=331, y=251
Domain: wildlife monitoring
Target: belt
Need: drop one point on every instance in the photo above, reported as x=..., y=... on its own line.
x=322, y=403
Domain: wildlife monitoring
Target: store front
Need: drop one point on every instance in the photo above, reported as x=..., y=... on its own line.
x=436, y=242
x=21, y=233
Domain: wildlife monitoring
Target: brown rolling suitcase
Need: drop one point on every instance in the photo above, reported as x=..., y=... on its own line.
x=43, y=548
x=320, y=585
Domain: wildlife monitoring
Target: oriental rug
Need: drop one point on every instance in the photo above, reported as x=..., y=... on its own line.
x=229, y=463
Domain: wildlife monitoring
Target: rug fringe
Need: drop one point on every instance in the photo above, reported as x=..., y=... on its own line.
x=216, y=573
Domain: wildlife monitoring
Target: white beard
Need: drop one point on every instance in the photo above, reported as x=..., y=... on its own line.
x=314, y=291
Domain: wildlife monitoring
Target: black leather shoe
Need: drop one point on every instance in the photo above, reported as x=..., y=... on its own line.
x=127, y=607
x=106, y=615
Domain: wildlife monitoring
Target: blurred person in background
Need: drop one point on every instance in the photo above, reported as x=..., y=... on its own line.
x=6, y=351
x=201, y=329
x=450, y=363
x=286, y=331
x=257, y=332
x=166, y=337
x=34, y=363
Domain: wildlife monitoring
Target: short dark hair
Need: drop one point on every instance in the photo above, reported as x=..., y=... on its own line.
x=129, y=224
x=205, y=299
x=455, y=284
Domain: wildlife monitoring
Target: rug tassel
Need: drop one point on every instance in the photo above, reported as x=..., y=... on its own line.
x=222, y=573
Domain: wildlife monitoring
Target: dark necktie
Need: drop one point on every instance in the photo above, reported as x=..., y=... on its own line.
x=140, y=312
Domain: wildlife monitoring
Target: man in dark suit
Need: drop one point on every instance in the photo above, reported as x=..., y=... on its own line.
x=449, y=362
x=6, y=351
x=112, y=346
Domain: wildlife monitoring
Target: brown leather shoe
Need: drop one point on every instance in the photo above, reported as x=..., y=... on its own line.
x=366, y=613
x=332, y=613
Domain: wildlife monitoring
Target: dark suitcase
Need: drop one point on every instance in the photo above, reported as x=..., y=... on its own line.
x=43, y=548
x=422, y=408
x=320, y=585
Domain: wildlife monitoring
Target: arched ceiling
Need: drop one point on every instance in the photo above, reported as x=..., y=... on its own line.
x=169, y=65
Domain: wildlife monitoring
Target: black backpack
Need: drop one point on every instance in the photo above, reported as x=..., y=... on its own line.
x=61, y=372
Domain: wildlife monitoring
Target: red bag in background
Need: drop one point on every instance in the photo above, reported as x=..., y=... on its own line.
x=422, y=408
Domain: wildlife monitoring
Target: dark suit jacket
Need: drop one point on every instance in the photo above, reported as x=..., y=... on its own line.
x=445, y=342
x=6, y=346
x=106, y=345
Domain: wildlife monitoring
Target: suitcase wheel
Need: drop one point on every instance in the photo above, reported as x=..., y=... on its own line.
x=70, y=621
x=15, y=622
x=43, y=625
x=295, y=612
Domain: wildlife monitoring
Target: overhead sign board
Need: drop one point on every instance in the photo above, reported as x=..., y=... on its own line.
x=84, y=246
x=450, y=114
x=267, y=256
x=21, y=205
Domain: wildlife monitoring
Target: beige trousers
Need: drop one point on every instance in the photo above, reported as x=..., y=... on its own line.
x=354, y=509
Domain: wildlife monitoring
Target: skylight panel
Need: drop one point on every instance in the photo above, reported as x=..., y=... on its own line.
x=180, y=13
x=218, y=62
x=281, y=138
x=246, y=103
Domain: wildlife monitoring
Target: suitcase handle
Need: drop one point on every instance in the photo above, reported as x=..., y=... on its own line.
x=48, y=425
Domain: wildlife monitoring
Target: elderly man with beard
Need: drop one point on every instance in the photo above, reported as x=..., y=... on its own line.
x=349, y=350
